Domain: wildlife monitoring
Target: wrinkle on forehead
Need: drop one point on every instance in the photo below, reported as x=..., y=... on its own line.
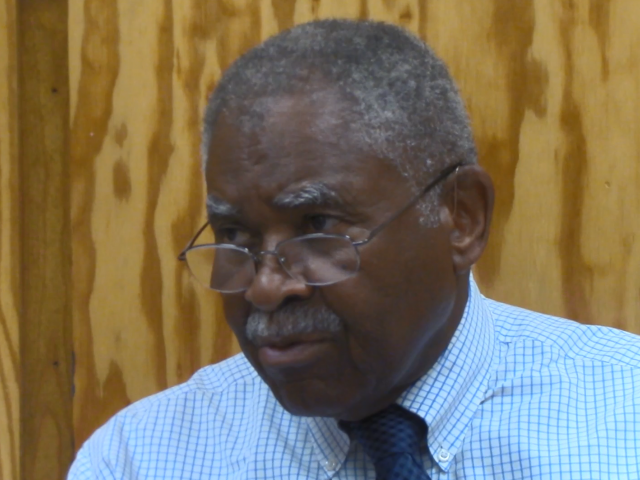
x=290, y=134
x=303, y=153
x=267, y=128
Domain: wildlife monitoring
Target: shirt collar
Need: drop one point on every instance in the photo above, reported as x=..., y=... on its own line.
x=447, y=397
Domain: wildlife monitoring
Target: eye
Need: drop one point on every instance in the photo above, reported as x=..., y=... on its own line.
x=321, y=223
x=318, y=222
x=233, y=236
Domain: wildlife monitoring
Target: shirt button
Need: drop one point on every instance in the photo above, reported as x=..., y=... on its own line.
x=330, y=464
x=444, y=455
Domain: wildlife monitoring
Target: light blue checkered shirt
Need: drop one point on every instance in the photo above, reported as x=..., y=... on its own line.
x=516, y=395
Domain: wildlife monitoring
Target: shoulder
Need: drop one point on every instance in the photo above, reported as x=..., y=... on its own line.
x=219, y=402
x=210, y=386
x=235, y=372
x=560, y=386
x=518, y=328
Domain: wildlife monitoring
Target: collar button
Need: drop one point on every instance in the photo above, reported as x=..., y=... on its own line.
x=330, y=464
x=444, y=455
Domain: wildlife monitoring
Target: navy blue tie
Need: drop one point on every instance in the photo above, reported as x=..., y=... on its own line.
x=391, y=438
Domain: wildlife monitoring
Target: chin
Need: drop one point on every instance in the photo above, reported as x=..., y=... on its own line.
x=313, y=398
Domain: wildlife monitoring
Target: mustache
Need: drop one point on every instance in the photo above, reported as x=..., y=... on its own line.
x=292, y=319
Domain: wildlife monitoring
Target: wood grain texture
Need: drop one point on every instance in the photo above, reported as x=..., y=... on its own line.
x=140, y=323
x=558, y=129
x=45, y=239
x=10, y=298
x=553, y=91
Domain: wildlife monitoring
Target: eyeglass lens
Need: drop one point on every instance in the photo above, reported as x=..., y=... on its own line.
x=317, y=261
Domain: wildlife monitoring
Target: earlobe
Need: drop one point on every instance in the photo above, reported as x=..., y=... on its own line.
x=468, y=198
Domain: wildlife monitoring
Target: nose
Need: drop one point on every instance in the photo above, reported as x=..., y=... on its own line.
x=272, y=285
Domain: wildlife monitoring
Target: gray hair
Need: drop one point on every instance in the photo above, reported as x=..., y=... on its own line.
x=405, y=105
x=292, y=319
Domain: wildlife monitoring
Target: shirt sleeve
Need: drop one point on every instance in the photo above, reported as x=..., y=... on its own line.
x=84, y=469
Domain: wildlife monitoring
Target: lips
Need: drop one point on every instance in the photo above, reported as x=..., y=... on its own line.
x=291, y=351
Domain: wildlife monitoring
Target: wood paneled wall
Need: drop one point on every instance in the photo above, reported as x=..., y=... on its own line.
x=10, y=300
x=46, y=429
x=553, y=88
x=36, y=431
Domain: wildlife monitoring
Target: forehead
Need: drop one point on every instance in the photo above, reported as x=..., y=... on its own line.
x=295, y=141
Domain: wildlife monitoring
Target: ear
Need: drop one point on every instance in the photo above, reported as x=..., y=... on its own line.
x=466, y=208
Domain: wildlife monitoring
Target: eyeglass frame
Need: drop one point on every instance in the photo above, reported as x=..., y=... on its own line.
x=356, y=244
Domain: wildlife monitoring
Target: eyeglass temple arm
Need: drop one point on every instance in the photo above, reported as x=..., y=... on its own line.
x=183, y=254
x=444, y=174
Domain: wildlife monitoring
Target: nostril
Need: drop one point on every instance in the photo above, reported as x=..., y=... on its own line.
x=291, y=299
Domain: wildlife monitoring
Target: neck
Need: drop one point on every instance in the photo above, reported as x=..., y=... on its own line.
x=434, y=347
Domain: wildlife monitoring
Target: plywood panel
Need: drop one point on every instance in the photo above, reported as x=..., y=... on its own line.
x=140, y=323
x=553, y=90
x=46, y=443
x=552, y=87
x=9, y=248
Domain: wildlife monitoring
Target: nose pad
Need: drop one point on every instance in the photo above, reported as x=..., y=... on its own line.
x=272, y=285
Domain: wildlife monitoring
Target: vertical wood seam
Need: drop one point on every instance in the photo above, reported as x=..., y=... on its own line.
x=46, y=433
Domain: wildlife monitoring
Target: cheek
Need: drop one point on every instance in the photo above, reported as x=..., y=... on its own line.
x=394, y=305
x=236, y=312
x=371, y=327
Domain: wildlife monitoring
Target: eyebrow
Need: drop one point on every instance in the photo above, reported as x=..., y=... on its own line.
x=216, y=207
x=311, y=194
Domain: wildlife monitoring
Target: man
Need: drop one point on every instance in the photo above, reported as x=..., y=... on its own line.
x=348, y=209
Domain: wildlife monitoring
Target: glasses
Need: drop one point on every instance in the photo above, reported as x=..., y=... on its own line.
x=317, y=259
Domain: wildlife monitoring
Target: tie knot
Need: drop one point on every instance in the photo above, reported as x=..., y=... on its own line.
x=391, y=431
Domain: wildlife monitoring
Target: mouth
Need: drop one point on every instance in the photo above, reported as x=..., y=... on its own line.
x=291, y=351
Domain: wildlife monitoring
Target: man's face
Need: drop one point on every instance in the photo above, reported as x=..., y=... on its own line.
x=349, y=349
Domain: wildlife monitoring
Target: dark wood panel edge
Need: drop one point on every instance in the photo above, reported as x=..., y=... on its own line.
x=45, y=335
